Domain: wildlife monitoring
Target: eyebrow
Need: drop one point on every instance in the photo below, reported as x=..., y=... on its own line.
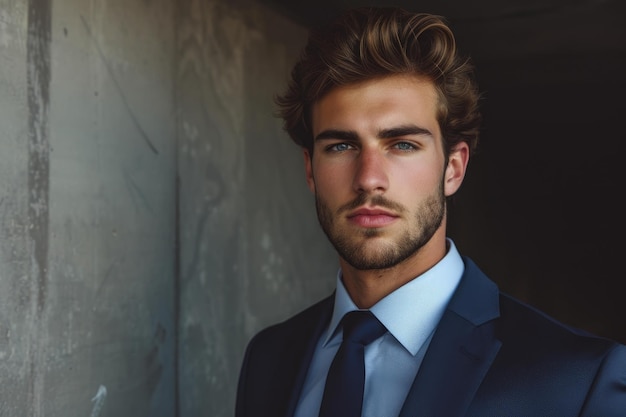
x=406, y=130
x=394, y=132
x=337, y=134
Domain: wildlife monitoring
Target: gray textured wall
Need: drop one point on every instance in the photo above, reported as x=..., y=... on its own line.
x=251, y=250
x=153, y=215
x=87, y=157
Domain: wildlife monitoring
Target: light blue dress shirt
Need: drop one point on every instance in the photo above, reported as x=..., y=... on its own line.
x=411, y=314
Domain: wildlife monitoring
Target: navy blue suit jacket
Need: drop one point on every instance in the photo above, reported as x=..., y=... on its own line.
x=491, y=356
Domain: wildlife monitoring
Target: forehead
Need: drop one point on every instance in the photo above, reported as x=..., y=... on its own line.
x=377, y=104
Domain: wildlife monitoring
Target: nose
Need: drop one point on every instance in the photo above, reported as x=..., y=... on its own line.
x=370, y=173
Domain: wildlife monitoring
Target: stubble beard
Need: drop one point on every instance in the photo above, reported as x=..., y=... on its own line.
x=428, y=216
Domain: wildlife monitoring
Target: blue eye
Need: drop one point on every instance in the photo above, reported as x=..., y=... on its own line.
x=404, y=146
x=339, y=147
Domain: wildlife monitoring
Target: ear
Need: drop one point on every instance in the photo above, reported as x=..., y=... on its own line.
x=455, y=171
x=308, y=168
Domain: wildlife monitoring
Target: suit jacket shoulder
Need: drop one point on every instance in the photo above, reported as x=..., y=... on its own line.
x=276, y=362
x=493, y=355
x=546, y=367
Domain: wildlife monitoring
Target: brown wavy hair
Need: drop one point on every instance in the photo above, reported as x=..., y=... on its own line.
x=370, y=42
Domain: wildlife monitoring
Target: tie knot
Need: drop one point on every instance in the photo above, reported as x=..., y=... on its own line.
x=362, y=327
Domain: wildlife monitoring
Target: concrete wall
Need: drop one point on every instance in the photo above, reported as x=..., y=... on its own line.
x=87, y=151
x=251, y=250
x=153, y=215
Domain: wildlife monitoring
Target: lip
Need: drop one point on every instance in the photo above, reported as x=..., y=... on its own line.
x=372, y=217
x=364, y=211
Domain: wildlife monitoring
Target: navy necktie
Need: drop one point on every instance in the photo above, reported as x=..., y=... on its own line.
x=343, y=393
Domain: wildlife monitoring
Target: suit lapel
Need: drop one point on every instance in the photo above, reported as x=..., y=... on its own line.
x=305, y=341
x=461, y=351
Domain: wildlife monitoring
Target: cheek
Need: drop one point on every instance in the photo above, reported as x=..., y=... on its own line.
x=328, y=184
x=417, y=178
x=330, y=178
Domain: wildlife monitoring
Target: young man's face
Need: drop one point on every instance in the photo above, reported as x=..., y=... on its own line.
x=377, y=170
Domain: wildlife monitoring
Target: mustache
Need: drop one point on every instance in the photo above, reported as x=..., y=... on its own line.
x=375, y=200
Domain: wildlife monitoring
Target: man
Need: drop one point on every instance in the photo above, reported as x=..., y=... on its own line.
x=386, y=113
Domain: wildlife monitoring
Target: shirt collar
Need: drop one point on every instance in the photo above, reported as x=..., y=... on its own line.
x=411, y=312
